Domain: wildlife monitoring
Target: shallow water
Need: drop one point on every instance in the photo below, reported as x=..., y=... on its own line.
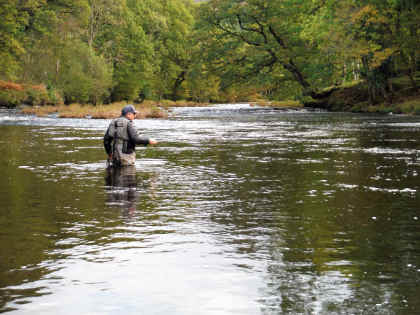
x=238, y=210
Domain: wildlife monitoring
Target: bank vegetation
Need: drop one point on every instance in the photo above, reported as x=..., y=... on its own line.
x=337, y=55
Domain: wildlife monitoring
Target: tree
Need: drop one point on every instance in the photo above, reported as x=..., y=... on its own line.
x=256, y=39
x=368, y=38
x=58, y=55
x=115, y=32
x=407, y=21
x=168, y=26
x=14, y=16
x=86, y=77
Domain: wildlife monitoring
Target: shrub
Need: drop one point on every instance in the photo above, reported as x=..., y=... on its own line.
x=10, y=86
x=36, y=95
x=11, y=98
x=126, y=89
x=86, y=76
x=55, y=96
x=14, y=94
x=11, y=94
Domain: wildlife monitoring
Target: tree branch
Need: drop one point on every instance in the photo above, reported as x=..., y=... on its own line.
x=278, y=39
x=318, y=7
x=259, y=31
x=242, y=37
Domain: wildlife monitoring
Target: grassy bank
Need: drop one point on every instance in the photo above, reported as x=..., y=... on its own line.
x=277, y=104
x=147, y=110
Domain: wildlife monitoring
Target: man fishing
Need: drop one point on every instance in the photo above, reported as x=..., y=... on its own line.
x=121, y=138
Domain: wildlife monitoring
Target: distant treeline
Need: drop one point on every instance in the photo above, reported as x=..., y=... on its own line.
x=96, y=51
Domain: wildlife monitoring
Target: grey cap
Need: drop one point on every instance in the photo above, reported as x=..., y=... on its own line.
x=128, y=109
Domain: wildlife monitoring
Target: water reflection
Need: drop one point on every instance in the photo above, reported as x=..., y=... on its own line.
x=121, y=187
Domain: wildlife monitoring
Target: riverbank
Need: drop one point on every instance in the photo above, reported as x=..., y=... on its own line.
x=147, y=109
x=354, y=97
x=277, y=104
x=96, y=112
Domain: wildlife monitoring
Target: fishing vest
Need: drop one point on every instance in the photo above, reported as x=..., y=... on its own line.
x=118, y=130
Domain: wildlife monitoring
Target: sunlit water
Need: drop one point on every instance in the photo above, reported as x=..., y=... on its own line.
x=238, y=210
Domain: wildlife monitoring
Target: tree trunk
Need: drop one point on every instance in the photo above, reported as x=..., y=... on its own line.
x=307, y=88
x=412, y=71
x=413, y=58
x=177, y=84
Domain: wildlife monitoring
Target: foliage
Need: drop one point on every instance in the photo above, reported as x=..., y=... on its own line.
x=258, y=40
x=87, y=77
x=12, y=94
x=372, y=40
x=97, y=51
x=11, y=21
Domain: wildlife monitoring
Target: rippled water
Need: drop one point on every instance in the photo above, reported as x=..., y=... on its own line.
x=238, y=210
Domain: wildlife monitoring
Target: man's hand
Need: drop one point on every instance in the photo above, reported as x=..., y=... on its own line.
x=110, y=157
x=152, y=141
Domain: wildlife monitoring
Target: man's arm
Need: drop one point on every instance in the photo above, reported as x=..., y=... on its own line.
x=108, y=143
x=132, y=133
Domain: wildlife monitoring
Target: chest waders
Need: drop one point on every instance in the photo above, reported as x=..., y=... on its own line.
x=118, y=130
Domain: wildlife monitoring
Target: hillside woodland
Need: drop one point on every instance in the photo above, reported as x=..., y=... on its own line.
x=334, y=54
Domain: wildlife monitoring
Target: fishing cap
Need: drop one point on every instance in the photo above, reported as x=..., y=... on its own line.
x=128, y=109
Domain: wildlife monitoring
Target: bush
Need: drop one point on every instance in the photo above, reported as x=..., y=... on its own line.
x=36, y=95
x=55, y=97
x=77, y=88
x=14, y=94
x=411, y=106
x=87, y=78
x=11, y=94
x=127, y=89
x=11, y=98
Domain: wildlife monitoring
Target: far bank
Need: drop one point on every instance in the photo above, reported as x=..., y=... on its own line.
x=401, y=97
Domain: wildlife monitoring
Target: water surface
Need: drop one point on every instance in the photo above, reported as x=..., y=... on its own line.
x=238, y=210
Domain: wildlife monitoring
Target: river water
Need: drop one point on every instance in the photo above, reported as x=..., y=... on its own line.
x=238, y=210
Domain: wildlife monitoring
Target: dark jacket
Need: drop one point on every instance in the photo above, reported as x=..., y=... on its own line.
x=122, y=129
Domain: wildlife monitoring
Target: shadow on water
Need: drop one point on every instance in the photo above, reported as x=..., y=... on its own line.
x=125, y=187
x=122, y=188
x=237, y=211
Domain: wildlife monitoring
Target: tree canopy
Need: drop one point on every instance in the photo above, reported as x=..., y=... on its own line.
x=95, y=51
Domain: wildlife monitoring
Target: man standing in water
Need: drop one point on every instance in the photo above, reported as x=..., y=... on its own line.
x=121, y=138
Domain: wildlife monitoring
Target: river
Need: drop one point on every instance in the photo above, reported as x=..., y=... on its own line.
x=238, y=210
